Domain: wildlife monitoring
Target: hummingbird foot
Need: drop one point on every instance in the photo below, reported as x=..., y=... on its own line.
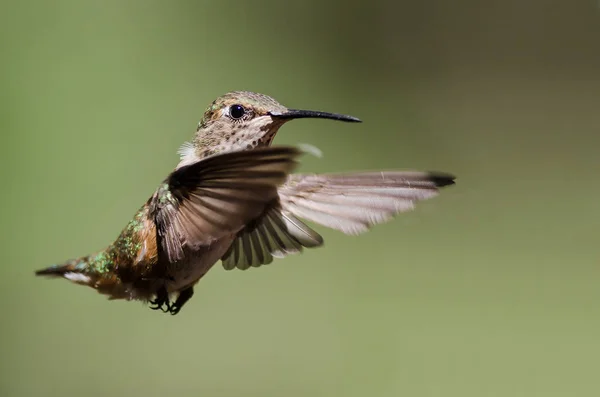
x=183, y=297
x=161, y=302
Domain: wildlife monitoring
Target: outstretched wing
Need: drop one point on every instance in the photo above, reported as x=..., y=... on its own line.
x=351, y=203
x=215, y=197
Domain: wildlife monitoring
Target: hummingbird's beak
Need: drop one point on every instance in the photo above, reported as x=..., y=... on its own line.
x=299, y=114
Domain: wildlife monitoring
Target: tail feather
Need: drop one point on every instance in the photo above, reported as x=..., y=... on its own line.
x=75, y=270
x=55, y=270
x=90, y=271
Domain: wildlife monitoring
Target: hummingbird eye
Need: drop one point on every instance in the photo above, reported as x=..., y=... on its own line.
x=236, y=111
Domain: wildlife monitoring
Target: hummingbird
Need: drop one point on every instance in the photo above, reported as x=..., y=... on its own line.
x=233, y=197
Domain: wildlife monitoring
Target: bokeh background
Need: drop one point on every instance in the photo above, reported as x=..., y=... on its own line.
x=492, y=289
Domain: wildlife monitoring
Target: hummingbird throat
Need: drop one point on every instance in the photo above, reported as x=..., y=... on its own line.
x=225, y=137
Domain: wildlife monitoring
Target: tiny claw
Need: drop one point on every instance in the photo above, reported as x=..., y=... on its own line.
x=161, y=302
x=154, y=304
x=183, y=297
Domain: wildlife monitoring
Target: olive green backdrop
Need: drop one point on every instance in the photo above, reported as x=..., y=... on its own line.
x=491, y=289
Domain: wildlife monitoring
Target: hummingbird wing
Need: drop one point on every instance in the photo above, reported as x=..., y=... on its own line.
x=351, y=203
x=215, y=197
x=276, y=234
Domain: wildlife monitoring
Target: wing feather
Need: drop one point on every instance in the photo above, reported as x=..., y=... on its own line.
x=351, y=203
x=215, y=197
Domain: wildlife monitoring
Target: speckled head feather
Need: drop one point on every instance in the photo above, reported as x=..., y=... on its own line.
x=242, y=120
x=259, y=104
x=238, y=120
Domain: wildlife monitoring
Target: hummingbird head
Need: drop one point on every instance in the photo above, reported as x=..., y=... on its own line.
x=243, y=120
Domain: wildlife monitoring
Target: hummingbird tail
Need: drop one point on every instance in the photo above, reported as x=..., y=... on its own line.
x=55, y=270
x=354, y=202
x=92, y=271
x=76, y=270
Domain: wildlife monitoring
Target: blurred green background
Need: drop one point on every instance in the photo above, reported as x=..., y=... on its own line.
x=489, y=290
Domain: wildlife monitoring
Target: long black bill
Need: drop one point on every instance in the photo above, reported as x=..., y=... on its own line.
x=299, y=114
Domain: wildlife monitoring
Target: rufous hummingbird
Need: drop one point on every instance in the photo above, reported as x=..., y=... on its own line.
x=232, y=198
